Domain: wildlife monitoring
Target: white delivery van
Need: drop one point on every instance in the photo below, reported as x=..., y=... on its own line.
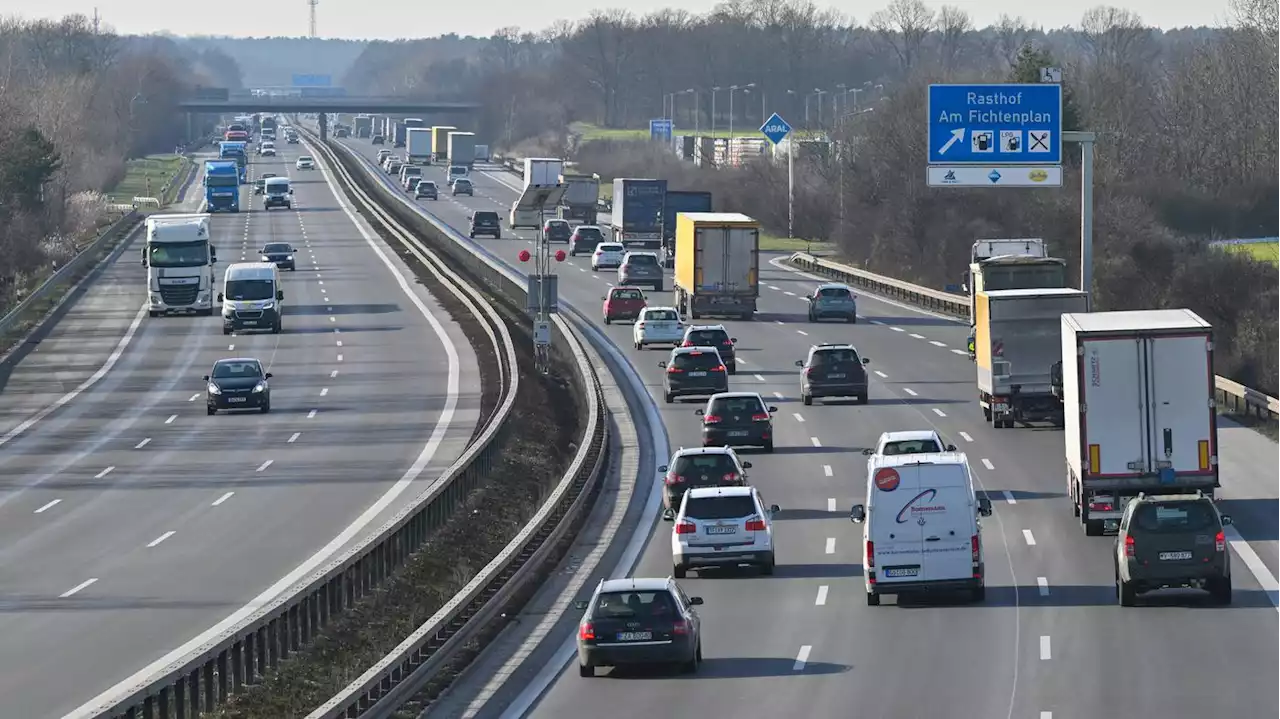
x=530, y=218
x=252, y=298
x=921, y=528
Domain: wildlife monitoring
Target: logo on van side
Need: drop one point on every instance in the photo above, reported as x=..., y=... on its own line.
x=887, y=479
x=919, y=511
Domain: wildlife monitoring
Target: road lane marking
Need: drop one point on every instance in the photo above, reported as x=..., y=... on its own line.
x=797, y=416
x=1044, y=648
x=47, y=506
x=881, y=375
x=333, y=319
x=802, y=658
x=939, y=412
x=222, y=499
x=143, y=443
x=1031, y=538
x=965, y=436
x=311, y=414
x=160, y=539
x=193, y=398
x=171, y=418
x=230, y=347
x=1043, y=584
x=778, y=395
x=339, y=358
x=339, y=343
x=1008, y=497
x=822, y=596
x=897, y=329
x=806, y=334
x=103, y=473
x=960, y=352
x=916, y=336
x=264, y=465
x=1046, y=715
x=815, y=441
x=789, y=294
x=987, y=463
x=910, y=391
x=831, y=545
x=831, y=504
x=936, y=343
x=77, y=588
x=333, y=374
x=294, y=437
x=1257, y=568
x=760, y=377
x=827, y=471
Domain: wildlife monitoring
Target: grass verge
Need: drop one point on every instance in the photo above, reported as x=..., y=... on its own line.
x=149, y=176
x=1260, y=251
x=773, y=243
x=534, y=456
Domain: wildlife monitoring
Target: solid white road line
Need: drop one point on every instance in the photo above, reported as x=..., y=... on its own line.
x=1044, y=647
x=822, y=596
x=987, y=463
x=1043, y=584
x=1031, y=538
x=160, y=539
x=47, y=506
x=1257, y=568
x=143, y=443
x=827, y=471
x=802, y=658
x=965, y=436
x=831, y=545
x=77, y=588
x=222, y=499
x=264, y=465
x=103, y=473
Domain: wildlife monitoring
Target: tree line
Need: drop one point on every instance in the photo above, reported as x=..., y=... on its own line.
x=76, y=101
x=1186, y=120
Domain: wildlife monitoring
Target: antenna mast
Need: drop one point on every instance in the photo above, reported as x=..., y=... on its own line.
x=313, y=4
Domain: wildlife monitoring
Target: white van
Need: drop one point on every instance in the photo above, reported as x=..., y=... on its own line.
x=921, y=528
x=252, y=298
x=525, y=218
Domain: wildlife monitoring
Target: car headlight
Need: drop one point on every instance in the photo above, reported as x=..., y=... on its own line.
x=266, y=258
x=155, y=298
x=268, y=305
x=213, y=389
x=260, y=387
x=289, y=258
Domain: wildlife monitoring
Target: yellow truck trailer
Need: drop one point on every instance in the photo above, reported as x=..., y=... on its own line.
x=717, y=268
x=440, y=143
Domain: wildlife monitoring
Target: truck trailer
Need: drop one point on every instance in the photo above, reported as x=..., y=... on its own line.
x=363, y=126
x=398, y=134
x=418, y=146
x=676, y=202
x=581, y=198
x=717, y=264
x=636, y=217
x=1138, y=395
x=542, y=171
x=440, y=142
x=1016, y=346
x=460, y=149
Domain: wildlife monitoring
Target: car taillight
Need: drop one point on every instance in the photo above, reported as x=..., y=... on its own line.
x=1220, y=542
x=974, y=548
x=711, y=419
x=755, y=525
x=1101, y=507
x=686, y=528
x=1129, y=546
x=586, y=632
x=640, y=325
x=674, y=370
x=674, y=479
x=805, y=371
x=871, y=554
x=727, y=343
x=687, y=343
x=730, y=477
x=762, y=417
x=680, y=627
x=718, y=368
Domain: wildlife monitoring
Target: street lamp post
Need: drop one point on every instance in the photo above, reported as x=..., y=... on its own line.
x=819, y=94
x=714, y=90
x=733, y=89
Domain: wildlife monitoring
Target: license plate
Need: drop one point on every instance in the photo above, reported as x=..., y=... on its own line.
x=248, y=322
x=835, y=376
x=902, y=572
x=721, y=530
x=738, y=433
x=1174, y=556
x=634, y=636
x=237, y=399
x=697, y=374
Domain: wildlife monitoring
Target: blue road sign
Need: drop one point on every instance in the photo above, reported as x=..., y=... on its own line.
x=775, y=128
x=312, y=81
x=995, y=124
x=660, y=129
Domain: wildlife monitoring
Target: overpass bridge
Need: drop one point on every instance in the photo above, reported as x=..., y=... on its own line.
x=342, y=104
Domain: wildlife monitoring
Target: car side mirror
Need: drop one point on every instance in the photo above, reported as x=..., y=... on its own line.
x=663, y=469
x=746, y=465
x=267, y=375
x=668, y=515
x=205, y=378
x=774, y=509
x=858, y=514
x=290, y=190
x=866, y=360
x=606, y=299
x=868, y=451
x=581, y=605
x=799, y=363
x=1226, y=520
x=219, y=296
x=984, y=507
x=951, y=448
x=279, y=294
x=772, y=410
x=734, y=340
x=699, y=412
x=695, y=601
x=662, y=364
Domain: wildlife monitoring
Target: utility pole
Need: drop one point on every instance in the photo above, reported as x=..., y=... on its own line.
x=313, y=4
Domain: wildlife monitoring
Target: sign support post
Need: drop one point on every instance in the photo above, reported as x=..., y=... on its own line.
x=776, y=130
x=542, y=288
x=1086, y=140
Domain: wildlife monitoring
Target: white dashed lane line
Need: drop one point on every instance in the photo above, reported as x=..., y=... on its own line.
x=48, y=505
x=324, y=391
x=936, y=343
x=103, y=473
x=916, y=336
x=806, y=334
x=160, y=539
x=192, y=398
x=264, y=465
x=827, y=471
x=802, y=658
x=910, y=391
x=881, y=375
x=965, y=436
x=939, y=412
x=1031, y=538
x=1044, y=647
x=143, y=443
x=760, y=378
x=897, y=329
x=815, y=442
x=222, y=499
x=1043, y=584
x=798, y=417
x=831, y=545
x=987, y=463
x=822, y=596
x=831, y=504
x=173, y=417
x=78, y=588
x=1008, y=497
x=294, y=437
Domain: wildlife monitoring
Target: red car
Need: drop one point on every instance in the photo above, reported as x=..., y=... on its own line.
x=623, y=303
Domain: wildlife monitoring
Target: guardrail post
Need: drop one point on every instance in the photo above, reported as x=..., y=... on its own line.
x=237, y=666
x=222, y=676
x=193, y=683
x=208, y=686
x=180, y=698
x=164, y=702
x=273, y=645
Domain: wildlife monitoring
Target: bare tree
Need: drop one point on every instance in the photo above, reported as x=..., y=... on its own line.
x=903, y=25
x=1012, y=33
x=954, y=25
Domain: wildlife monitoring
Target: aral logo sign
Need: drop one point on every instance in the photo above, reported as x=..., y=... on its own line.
x=919, y=507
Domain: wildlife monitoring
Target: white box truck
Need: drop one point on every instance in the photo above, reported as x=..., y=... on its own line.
x=179, y=262
x=1138, y=396
x=418, y=146
x=461, y=149
x=542, y=171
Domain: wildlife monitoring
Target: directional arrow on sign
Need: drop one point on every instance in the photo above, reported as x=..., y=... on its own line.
x=956, y=136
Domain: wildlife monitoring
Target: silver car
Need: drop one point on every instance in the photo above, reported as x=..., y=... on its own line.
x=641, y=268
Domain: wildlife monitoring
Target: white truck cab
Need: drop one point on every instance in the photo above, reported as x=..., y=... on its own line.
x=276, y=192
x=252, y=298
x=921, y=528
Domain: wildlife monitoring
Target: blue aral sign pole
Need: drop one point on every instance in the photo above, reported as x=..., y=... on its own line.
x=776, y=130
x=1006, y=135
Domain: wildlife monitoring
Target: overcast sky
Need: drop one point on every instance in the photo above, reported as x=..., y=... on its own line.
x=391, y=20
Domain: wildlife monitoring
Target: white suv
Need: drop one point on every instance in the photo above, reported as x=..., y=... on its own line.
x=657, y=325
x=912, y=441
x=305, y=163
x=722, y=527
x=607, y=254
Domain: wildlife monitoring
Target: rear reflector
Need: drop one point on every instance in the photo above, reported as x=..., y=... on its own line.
x=1095, y=458
x=1203, y=447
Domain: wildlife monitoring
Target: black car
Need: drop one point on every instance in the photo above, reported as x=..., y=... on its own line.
x=713, y=336
x=1172, y=541
x=639, y=621
x=280, y=253
x=700, y=467
x=737, y=419
x=833, y=370
x=693, y=371
x=238, y=383
x=584, y=240
x=557, y=231
x=426, y=189
x=341, y=132
x=486, y=222
x=379, y=140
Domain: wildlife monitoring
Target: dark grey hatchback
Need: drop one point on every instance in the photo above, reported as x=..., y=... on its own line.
x=737, y=419
x=693, y=371
x=639, y=621
x=238, y=383
x=279, y=253
x=833, y=370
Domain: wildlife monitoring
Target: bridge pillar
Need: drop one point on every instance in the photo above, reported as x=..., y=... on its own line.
x=323, y=119
x=191, y=129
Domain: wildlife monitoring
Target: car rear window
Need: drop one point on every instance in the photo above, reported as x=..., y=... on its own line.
x=610, y=247
x=690, y=466
x=734, y=507
x=1174, y=518
x=628, y=295
x=642, y=260
x=708, y=338
x=427, y=184
x=411, y=170
x=462, y=183
x=834, y=357
x=913, y=446
x=633, y=604
x=834, y=292
x=661, y=315
x=697, y=360
x=589, y=233
x=486, y=217
x=304, y=158
x=735, y=405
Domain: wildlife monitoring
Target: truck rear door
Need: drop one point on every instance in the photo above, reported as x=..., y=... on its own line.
x=1180, y=383
x=1113, y=390
x=740, y=259
x=711, y=248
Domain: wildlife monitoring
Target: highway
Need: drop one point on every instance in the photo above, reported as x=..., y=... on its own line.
x=131, y=522
x=1049, y=642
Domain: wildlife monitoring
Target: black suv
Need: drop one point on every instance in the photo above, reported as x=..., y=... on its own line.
x=279, y=253
x=238, y=383
x=486, y=222
x=639, y=621
x=737, y=419
x=557, y=231
x=693, y=371
x=713, y=336
x=1170, y=541
x=705, y=467
x=833, y=370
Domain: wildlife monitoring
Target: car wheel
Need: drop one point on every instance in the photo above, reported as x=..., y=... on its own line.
x=607, y=320
x=679, y=571
x=472, y=235
x=768, y=446
x=668, y=397
x=812, y=318
x=586, y=670
x=498, y=236
x=767, y=569
x=732, y=368
x=211, y=410
x=853, y=319
x=226, y=330
x=807, y=399
x=873, y=599
x=266, y=407
x=1127, y=596
x=279, y=326
x=690, y=667
x=152, y=314
x=1220, y=589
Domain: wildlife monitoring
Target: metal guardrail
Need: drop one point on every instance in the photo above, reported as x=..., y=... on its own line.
x=1231, y=396
x=72, y=270
x=408, y=668
x=207, y=676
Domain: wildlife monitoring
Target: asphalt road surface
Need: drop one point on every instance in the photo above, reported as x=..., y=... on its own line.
x=1049, y=642
x=131, y=522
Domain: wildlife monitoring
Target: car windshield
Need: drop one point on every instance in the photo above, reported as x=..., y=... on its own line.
x=714, y=466
x=249, y=290
x=661, y=315
x=735, y=405
x=179, y=254
x=230, y=180
x=237, y=369
x=1174, y=517
x=913, y=446
x=557, y=225
x=277, y=247
x=708, y=338
x=734, y=507
x=633, y=604
x=696, y=361
x=589, y=233
x=278, y=188
x=841, y=293
x=829, y=358
x=642, y=260
x=627, y=295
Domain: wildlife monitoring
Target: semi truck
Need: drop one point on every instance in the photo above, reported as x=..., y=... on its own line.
x=460, y=149
x=398, y=134
x=678, y=201
x=581, y=197
x=239, y=152
x=1013, y=272
x=440, y=142
x=413, y=122
x=363, y=126
x=482, y=153
x=1138, y=394
x=221, y=186
x=637, y=215
x=542, y=171
x=1016, y=346
x=269, y=123
x=717, y=264
x=417, y=146
x=179, y=261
